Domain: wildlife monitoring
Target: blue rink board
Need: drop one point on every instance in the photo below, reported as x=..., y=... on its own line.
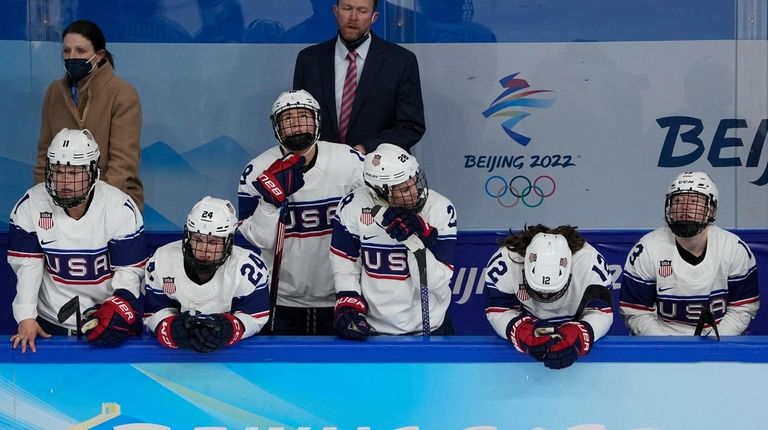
x=472, y=253
x=437, y=384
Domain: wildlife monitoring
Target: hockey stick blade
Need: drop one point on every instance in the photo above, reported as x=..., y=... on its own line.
x=66, y=311
x=706, y=318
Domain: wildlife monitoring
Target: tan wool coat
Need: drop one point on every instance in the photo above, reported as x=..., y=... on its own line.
x=110, y=108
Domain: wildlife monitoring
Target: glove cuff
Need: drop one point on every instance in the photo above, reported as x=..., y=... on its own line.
x=237, y=329
x=349, y=300
x=272, y=187
x=163, y=333
x=512, y=327
x=586, y=336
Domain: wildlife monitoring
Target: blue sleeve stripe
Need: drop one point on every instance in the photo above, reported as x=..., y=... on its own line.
x=23, y=242
x=639, y=293
x=745, y=288
x=344, y=243
x=494, y=298
x=246, y=205
x=254, y=303
x=445, y=251
x=156, y=300
x=640, y=280
x=129, y=251
x=744, y=276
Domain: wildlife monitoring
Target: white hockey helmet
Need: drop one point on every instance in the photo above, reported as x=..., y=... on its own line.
x=291, y=139
x=547, y=267
x=71, y=148
x=210, y=217
x=690, y=183
x=389, y=166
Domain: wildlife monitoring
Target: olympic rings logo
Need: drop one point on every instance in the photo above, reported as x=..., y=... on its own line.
x=520, y=188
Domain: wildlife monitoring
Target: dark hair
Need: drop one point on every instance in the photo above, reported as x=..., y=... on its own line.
x=518, y=242
x=92, y=32
x=375, y=3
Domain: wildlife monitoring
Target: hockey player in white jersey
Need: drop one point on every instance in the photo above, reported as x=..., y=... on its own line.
x=75, y=236
x=677, y=275
x=306, y=178
x=548, y=293
x=203, y=292
x=378, y=284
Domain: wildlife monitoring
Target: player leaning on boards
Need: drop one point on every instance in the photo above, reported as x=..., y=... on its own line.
x=392, y=251
x=305, y=179
x=203, y=292
x=676, y=273
x=548, y=292
x=75, y=236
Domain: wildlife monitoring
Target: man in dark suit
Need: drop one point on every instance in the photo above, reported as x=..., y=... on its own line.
x=375, y=100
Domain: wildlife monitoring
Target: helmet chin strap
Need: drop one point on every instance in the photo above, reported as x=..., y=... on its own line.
x=687, y=228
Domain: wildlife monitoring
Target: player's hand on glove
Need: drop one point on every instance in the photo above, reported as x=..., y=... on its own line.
x=283, y=178
x=111, y=322
x=212, y=332
x=576, y=339
x=28, y=331
x=350, y=311
x=521, y=331
x=401, y=223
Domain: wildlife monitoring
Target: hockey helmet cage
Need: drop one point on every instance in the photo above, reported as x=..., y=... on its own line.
x=71, y=148
x=290, y=140
x=210, y=217
x=389, y=166
x=691, y=183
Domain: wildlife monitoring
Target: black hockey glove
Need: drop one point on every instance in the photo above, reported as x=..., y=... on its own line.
x=110, y=323
x=212, y=332
x=350, y=312
x=521, y=331
x=577, y=338
x=173, y=332
x=401, y=223
x=283, y=178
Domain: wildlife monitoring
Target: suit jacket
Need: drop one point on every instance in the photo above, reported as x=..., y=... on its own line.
x=388, y=106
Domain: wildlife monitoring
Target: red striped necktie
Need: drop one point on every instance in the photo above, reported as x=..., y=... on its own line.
x=348, y=95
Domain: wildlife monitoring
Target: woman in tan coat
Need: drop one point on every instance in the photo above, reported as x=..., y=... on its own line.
x=91, y=96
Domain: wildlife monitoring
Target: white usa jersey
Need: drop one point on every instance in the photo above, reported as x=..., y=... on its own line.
x=507, y=298
x=662, y=294
x=305, y=280
x=367, y=261
x=56, y=257
x=239, y=287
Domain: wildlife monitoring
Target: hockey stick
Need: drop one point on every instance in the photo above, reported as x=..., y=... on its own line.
x=592, y=293
x=706, y=317
x=420, y=253
x=73, y=307
x=276, y=262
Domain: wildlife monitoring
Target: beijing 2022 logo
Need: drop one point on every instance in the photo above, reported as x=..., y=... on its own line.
x=508, y=103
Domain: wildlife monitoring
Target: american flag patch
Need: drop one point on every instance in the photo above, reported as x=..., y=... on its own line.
x=522, y=293
x=169, y=286
x=46, y=220
x=563, y=262
x=376, y=160
x=665, y=268
x=531, y=257
x=366, y=217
